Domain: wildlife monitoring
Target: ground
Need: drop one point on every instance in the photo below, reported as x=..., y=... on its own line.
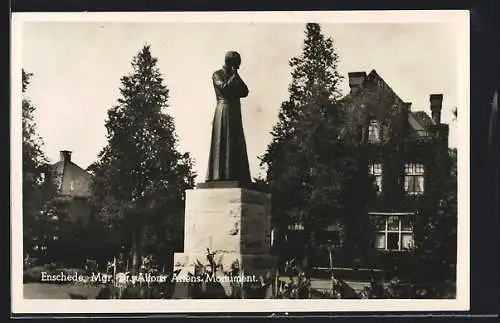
x=324, y=284
x=57, y=291
x=33, y=289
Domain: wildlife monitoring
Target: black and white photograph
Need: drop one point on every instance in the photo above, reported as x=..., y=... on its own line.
x=286, y=161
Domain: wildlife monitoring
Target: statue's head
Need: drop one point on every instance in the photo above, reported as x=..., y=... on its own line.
x=232, y=59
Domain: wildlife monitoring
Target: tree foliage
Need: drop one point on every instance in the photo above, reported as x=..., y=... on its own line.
x=140, y=177
x=435, y=252
x=38, y=187
x=311, y=165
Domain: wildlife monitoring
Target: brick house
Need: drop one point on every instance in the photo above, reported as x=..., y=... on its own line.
x=399, y=148
x=73, y=184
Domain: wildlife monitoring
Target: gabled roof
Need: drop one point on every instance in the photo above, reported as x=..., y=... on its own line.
x=419, y=120
x=59, y=169
x=373, y=77
x=415, y=124
x=61, y=166
x=423, y=118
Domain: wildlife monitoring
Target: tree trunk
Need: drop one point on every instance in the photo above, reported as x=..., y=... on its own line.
x=136, y=244
x=135, y=258
x=307, y=264
x=332, y=275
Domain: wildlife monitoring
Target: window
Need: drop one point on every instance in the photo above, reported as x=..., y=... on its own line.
x=296, y=227
x=414, y=179
x=376, y=170
x=373, y=132
x=71, y=186
x=395, y=233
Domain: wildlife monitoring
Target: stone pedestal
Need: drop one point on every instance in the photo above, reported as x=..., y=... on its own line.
x=233, y=223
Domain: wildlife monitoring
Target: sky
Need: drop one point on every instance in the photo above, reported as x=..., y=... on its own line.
x=77, y=68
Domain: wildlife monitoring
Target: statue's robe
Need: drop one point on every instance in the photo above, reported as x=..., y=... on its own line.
x=228, y=160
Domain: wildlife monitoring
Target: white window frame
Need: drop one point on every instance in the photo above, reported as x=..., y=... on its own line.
x=399, y=231
x=377, y=170
x=416, y=171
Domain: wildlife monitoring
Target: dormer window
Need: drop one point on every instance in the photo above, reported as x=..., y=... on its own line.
x=373, y=131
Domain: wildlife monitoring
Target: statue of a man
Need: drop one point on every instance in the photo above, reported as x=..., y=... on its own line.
x=228, y=160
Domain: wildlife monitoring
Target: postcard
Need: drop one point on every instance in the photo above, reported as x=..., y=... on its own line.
x=243, y=162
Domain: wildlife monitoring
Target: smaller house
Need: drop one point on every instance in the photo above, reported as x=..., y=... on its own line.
x=74, y=184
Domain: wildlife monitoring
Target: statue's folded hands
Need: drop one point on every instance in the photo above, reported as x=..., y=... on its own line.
x=228, y=160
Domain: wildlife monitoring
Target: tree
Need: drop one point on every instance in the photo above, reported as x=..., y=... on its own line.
x=57, y=236
x=140, y=177
x=38, y=187
x=311, y=163
x=435, y=252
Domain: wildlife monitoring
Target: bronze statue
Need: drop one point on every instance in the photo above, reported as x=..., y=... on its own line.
x=228, y=160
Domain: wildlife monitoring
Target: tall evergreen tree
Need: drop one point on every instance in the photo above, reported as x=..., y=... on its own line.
x=311, y=167
x=38, y=187
x=140, y=177
x=315, y=82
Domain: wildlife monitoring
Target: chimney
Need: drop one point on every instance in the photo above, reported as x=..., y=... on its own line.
x=65, y=156
x=355, y=80
x=436, y=101
x=405, y=113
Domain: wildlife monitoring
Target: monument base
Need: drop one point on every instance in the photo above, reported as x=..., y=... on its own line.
x=233, y=225
x=249, y=264
x=225, y=184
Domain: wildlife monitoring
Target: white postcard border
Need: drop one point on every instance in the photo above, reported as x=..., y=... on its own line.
x=461, y=303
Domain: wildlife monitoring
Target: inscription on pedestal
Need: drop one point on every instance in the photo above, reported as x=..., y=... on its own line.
x=234, y=223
